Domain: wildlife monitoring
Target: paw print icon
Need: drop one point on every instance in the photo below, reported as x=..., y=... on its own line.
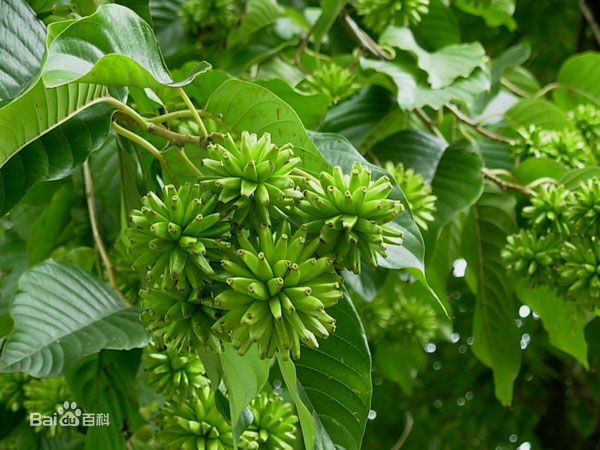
x=69, y=415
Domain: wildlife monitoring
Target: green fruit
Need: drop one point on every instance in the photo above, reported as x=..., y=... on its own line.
x=274, y=424
x=580, y=272
x=379, y=14
x=180, y=319
x=175, y=236
x=350, y=213
x=547, y=209
x=45, y=396
x=583, y=209
x=332, y=80
x=532, y=256
x=12, y=389
x=418, y=194
x=209, y=20
x=276, y=293
x=586, y=118
x=252, y=175
x=194, y=423
x=173, y=373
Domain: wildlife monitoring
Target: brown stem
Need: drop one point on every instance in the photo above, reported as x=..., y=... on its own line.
x=481, y=130
x=407, y=429
x=430, y=123
x=91, y=202
x=585, y=10
x=361, y=37
x=506, y=185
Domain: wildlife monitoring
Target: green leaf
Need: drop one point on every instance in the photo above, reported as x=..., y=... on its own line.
x=415, y=149
x=522, y=79
x=21, y=48
x=457, y=184
x=104, y=383
x=336, y=382
x=540, y=113
x=563, y=320
x=63, y=314
x=574, y=177
x=259, y=14
x=496, y=155
x=330, y=9
x=168, y=26
x=245, y=376
x=581, y=72
x=442, y=66
x=48, y=227
x=495, y=12
x=535, y=168
x=247, y=106
x=113, y=46
x=53, y=152
x=140, y=7
x=414, y=92
x=310, y=108
x=399, y=362
x=355, y=118
x=496, y=337
x=439, y=27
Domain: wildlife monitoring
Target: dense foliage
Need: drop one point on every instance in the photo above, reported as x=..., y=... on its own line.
x=271, y=224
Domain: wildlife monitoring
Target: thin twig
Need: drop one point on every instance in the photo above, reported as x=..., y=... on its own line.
x=506, y=185
x=566, y=87
x=430, y=123
x=585, y=10
x=472, y=123
x=146, y=146
x=407, y=429
x=91, y=202
x=188, y=163
x=192, y=108
x=361, y=37
x=512, y=87
x=301, y=47
x=150, y=127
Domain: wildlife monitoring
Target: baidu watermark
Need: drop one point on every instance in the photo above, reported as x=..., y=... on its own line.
x=69, y=415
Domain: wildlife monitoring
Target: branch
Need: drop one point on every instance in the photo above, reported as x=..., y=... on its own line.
x=566, y=87
x=91, y=202
x=430, y=123
x=481, y=130
x=192, y=108
x=407, y=429
x=361, y=37
x=585, y=10
x=511, y=87
x=506, y=185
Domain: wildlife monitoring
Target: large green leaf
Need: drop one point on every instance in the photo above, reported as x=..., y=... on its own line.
x=63, y=314
x=259, y=14
x=336, y=380
x=245, y=376
x=355, y=117
x=247, y=106
x=439, y=27
x=442, y=66
x=412, y=90
x=113, y=46
x=494, y=12
x=534, y=168
x=415, y=149
x=104, y=383
x=329, y=12
x=540, y=113
x=457, y=184
x=168, y=26
x=581, y=72
x=21, y=48
x=49, y=225
x=495, y=334
x=563, y=320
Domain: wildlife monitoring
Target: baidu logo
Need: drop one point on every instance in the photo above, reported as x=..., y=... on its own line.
x=69, y=415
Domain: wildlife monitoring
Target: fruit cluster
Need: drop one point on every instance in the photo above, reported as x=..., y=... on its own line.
x=249, y=253
x=209, y=20
x=560, y=245
x=333, y=81
x=377, y=15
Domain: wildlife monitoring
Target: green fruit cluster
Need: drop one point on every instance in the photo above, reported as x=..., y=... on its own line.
x=418, y=194
x=45, y=396
x=274, y=424
x=277, y=292
x=586, y=118
x=377, y=15
x=209, y=20
x=559, y=247
x=249, y=253
x=333, y=81
x=12, y=389
x=351, y=214
x=566, y=146
x=173, y=373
